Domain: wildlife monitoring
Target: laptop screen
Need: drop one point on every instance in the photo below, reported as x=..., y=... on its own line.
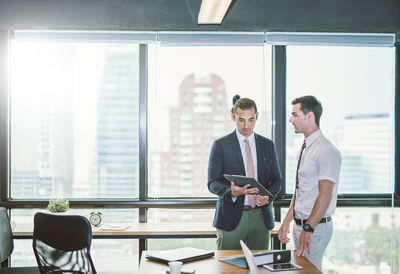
x=249, y=258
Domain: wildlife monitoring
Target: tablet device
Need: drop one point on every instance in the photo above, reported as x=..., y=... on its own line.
x=282, y=267
x=241, y=181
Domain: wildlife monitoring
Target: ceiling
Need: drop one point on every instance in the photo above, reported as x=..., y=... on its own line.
x=181, y=15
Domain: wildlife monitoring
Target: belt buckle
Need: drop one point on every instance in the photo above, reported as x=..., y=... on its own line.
x=302, y=221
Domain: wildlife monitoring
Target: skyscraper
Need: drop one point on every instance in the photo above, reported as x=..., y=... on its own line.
x=367, y=138
x=202, y=115
x=118, y=123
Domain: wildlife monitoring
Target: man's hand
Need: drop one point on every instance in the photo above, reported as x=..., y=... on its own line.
x=283, y=232
x=245, y=190
x=304, y=243
x=261, y=200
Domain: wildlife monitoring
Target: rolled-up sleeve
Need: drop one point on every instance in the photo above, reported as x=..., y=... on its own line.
x=329, y=162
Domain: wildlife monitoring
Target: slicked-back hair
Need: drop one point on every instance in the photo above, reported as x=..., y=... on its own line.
x=309, y=103
x=244, y=104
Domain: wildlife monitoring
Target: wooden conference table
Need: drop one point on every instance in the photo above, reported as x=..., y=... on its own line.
x=25, y=230
x=214, y=266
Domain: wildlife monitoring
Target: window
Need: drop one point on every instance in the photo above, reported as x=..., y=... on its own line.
x=356, y=88
x=196, y=215
x=73, y=128
x=190, y=105
x=74, y=120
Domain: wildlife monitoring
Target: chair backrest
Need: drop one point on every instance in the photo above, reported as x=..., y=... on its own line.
x=6, y=240
x=61, y=243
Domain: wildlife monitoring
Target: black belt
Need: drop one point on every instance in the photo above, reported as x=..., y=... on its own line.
x=323, y=220
x=247, y=208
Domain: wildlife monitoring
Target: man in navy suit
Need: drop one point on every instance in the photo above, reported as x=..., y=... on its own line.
x=240, y=213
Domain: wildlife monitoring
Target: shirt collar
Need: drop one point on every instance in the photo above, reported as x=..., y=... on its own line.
x=242, y=137
x=310, y=139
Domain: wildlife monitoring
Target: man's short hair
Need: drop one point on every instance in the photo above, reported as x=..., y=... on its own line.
x=243, y=103
x=309, y=103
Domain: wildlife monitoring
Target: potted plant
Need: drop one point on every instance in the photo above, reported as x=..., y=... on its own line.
x=57, y=205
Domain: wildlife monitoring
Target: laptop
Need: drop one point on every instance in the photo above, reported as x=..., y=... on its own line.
x=271, y=267
x=184, y=255
x=249, y=259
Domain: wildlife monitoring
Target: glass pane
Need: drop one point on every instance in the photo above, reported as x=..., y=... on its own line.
x=74, y=120
x=195, y=215
x=115, y=255
x=22, y=254
x=356, y=89
x=190, y=99
x=109, y=255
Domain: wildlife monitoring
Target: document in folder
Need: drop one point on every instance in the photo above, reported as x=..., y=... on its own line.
x=184, y=255
x=241, y=181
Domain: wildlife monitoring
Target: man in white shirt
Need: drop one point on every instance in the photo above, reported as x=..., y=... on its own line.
x=317, y=179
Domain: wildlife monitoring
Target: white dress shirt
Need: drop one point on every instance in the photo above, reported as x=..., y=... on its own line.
x=320, y=161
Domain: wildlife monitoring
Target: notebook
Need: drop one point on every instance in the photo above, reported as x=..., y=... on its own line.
x=184, y=255
x=114, y=227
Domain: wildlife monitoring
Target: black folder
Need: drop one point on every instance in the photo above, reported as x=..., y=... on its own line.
x=184, y=255
x=241, y=181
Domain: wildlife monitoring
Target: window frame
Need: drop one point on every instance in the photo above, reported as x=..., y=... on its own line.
x=144, y=202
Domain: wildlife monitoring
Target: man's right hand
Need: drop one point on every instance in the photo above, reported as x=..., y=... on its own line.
x=283, y=232
x=245, y=190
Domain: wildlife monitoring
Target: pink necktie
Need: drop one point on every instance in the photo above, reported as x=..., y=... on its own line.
x=251, y=199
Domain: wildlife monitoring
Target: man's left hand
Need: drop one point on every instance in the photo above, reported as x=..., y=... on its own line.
x=262, y=200
x=304, y=243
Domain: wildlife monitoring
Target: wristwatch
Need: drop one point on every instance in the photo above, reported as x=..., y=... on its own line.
x=308, y=228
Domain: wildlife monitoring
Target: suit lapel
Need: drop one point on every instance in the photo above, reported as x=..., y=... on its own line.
x=237, y=151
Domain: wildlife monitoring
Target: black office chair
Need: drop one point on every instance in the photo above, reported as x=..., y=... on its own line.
x=7, y=246
x=61, y=243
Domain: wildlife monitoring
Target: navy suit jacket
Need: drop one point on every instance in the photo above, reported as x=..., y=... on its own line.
x=226, y=158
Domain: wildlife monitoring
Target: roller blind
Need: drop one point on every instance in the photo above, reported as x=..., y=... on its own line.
x=331, y=39
x=211, y=38
x=88, y=36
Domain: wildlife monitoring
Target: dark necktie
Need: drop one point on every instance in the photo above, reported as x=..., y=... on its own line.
x=251, y=199
x=298, y=164
x=297, y=174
